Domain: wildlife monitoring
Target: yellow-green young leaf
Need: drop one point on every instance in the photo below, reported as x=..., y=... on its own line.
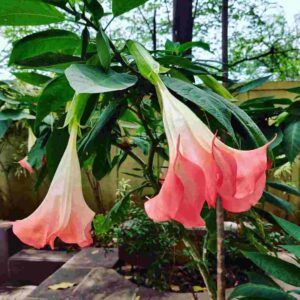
x=61, y=286
x=197, y=288
x=218, y=88
x=28, y=12
x=148, y=67
x=103, y=49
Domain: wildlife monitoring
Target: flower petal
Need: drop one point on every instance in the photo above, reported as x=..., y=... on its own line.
x=180, y=199
x=24, y=164
x=243, y=175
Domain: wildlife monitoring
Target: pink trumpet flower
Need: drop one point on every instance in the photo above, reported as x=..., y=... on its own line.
x=202, y=167
x=63, y=213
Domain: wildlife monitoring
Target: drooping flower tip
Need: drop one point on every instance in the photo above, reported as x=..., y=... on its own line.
x=24, y=164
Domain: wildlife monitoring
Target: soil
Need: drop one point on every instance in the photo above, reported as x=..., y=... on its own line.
x=181, y=279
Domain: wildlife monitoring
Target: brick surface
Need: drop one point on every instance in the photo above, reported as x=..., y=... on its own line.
x=93, y=258
x=9, y=244
x=34, y=266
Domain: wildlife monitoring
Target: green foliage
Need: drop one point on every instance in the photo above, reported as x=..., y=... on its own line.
x=259, y=291
x=120, y=7
x=292, y=229
x=276, y=267
x=28, y=12
x=103, y=49
x=292, y=140
x=45, y=42
x=279, y=202
x=92, y=80
x=53, y=97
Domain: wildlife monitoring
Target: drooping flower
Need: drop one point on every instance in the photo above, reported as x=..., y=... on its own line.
x=202, y=167
x=64, y=212
x=24, y=162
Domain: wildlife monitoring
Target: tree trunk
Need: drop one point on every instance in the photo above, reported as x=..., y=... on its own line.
x=182, y=21
x=225, y=41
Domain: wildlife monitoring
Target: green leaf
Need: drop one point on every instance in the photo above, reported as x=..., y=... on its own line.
x=49, y=60
x=217, y=87
x=251, y=85
x=260, y=278
x=95, y=8
x=258, y=291
x=120, y=7
x=102, y=162
x=279, y=202
x=290, y=228
x=213, y=106
x=198, y=44
x=284, y=187
x=104, y=124
x=55, y=148
x=49, y=41
x=32, y=78
x=198, y=95
x=37, y=152
x=103, y=49
x=54, y=96
x=294, y=249
x=92, y=80
x=275, y=267
x=291, y=140
x=4, y=125
x=295, y=90
x=28, y=12
x=15, y=115
x=147, y=66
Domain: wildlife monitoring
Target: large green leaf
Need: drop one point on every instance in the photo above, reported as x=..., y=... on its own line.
x=50, y=41
x=92, y=80
x=284, y=187
x=32, y=78
x=279, y=202
x=291, y=140
x=211, y=105
x=259, y=291
x=28, y=12
x=196, y=94
x=248, y=86
x=290, y=228
x=276, y=267
x=44, y=61
x=294, y=249
x=53, y=97
x=120, y=7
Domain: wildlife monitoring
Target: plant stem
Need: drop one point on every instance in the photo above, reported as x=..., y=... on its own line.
x=209, y=283
x=220, y=251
